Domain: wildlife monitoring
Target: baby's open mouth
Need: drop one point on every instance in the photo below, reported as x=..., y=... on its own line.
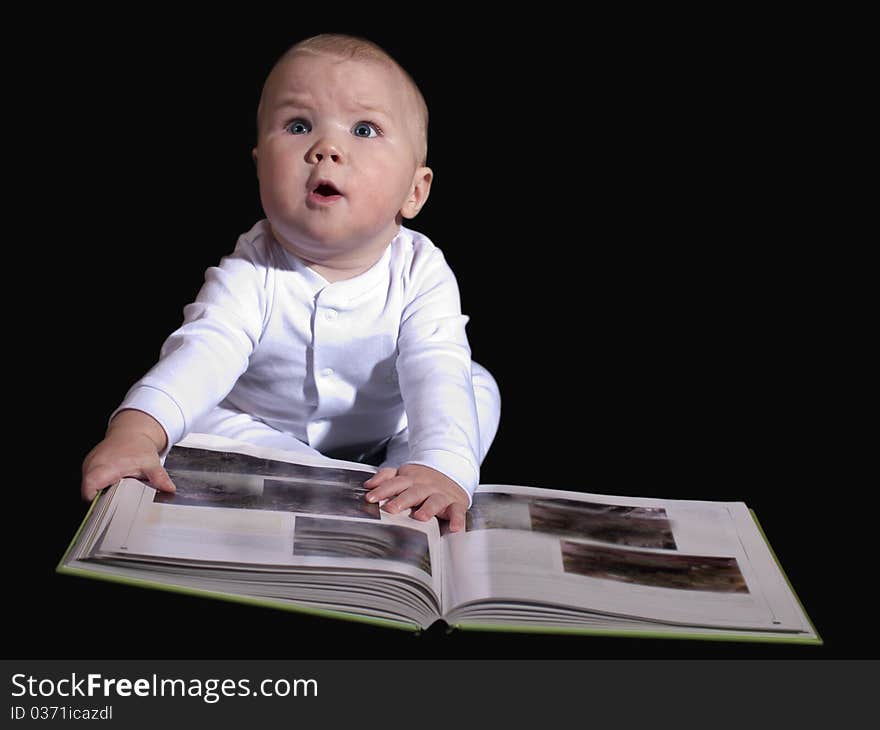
x=325, y=190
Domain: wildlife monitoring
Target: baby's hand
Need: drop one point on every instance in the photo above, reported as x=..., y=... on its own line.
x=415, y=484
x=130, y=449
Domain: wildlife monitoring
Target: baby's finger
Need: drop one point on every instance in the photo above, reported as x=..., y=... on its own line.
x=433, y=505
x=389, y=488
x=455, y=513
x=97, y=478
x=408, y=498
x=381, y=476
x=159, y=479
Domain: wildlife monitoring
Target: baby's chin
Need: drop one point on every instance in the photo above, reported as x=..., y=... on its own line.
x=323, y=241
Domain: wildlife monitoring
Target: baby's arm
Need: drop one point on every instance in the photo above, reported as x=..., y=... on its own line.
x=415, y=484
x=199, y=364
x=130, y=448
x=201, y=361
x=439, y=463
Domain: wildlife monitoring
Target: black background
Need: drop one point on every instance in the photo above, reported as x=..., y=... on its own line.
x=626, y=203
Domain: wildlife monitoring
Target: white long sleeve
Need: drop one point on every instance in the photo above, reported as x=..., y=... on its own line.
x=202, y=360
x=434, y=366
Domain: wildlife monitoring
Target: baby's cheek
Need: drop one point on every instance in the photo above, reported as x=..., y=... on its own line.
x=387, y=189
x=274, y=193
x=379, y=206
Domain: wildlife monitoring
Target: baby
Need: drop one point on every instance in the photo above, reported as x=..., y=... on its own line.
x=331, y=328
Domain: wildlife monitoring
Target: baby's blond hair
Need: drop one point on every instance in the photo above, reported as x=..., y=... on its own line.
x=360, y=49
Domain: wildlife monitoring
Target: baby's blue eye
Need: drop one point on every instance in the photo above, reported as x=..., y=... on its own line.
x=365, y=129
x=298, y=126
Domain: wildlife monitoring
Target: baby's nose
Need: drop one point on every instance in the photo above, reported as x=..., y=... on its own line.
x=324, y=150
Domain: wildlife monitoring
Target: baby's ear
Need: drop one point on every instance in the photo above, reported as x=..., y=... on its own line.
x=419, y=192
x=254, y=155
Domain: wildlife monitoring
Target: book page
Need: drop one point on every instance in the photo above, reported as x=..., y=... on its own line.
x=689, y=562
x=259, y=509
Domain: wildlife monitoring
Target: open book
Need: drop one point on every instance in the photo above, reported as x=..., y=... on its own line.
x=272, y=528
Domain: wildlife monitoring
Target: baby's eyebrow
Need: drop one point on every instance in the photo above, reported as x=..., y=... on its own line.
x=303, y=103
x=374, y=108
x=292, y=101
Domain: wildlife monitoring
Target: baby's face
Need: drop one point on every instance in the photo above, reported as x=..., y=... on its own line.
x=336, y=156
